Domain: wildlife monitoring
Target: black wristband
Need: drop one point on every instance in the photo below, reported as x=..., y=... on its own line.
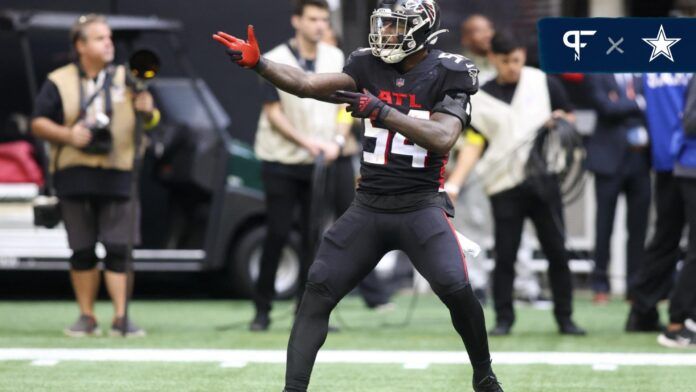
x=384, y=112
x=261, y=65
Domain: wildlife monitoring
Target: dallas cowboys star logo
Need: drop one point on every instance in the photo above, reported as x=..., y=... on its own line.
x=661, y=45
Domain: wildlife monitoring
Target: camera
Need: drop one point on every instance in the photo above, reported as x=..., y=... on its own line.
x=102, y=141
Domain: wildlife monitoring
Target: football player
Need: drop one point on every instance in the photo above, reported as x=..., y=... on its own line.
x=415, y=102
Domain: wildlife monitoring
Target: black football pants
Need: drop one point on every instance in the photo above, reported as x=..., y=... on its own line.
x=352, y=248
x=341, y=183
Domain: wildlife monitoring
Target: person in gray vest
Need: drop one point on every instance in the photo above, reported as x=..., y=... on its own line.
x=291, y=133
x=86, y=111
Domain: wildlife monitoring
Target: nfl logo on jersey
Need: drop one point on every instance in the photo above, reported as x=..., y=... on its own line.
x=400, y=82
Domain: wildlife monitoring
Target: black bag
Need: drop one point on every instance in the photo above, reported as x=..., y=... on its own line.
x=46, y=206
x=47, y=211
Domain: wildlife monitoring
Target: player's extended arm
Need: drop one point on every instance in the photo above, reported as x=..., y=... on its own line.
x=293, y=80
x=437, y=134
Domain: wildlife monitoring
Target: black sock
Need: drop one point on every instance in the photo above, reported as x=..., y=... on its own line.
x=481, y=371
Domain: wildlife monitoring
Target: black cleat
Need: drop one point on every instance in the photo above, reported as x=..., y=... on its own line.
x=568, y=327
x=488, y=384
x=501, y=329
x=637, y=322
x=260, y=323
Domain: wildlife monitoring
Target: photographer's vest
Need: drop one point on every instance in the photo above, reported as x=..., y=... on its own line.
x=510, y=129
x=67, y=80
x=315, y=119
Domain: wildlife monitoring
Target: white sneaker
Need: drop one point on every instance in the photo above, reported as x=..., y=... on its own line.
x=690, y=325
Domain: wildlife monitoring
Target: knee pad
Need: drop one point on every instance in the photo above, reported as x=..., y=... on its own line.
x=321, y=290
x=456, y=291
x=115, y=260
x=450, y=288
x=83, y=260
x=317, y=299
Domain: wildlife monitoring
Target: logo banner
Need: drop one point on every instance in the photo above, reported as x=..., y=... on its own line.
x=612, y=45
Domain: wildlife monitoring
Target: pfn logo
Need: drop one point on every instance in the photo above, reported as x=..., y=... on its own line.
x=576, y=44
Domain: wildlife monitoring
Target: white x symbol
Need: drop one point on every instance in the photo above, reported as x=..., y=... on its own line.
x=615, y=45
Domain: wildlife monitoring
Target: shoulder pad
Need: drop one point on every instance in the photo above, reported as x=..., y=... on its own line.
x=456, y=62
x=361, y=52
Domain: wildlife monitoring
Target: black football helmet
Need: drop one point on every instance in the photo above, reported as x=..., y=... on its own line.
x=401, y=27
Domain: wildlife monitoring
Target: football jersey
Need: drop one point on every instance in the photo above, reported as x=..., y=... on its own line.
x=391, y=164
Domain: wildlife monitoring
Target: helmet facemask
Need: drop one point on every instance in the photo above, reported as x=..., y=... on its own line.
x=396, y=34
x=391, y=35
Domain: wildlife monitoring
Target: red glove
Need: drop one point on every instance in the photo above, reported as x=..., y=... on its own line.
x=362, y=105
x=244, y=53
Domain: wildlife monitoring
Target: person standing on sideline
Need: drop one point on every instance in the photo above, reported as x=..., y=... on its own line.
x=681, y=330
x=476, y=32
x=665, y=96
x=511, y=108
x=291, y=133
x=86, y=111
x=618, y=155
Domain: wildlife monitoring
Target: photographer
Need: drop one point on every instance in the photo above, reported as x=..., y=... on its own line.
x=86, y=111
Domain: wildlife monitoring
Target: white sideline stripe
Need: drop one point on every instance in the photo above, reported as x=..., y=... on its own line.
x=416, y=366
x=233, y=364
x=604, y=367
x=45, y=362
x=347, y=356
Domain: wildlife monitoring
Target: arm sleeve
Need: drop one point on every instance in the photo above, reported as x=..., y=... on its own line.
x=456, y=104
x=48, y=103
x=559, y=95
x=459, y=85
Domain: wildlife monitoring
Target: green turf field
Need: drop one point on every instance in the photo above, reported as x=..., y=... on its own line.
x=222, y=325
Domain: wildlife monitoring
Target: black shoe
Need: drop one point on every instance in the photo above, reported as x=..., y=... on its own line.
x=683, y=338
x=132, y=330
x=637, y=322
x=260, y=323
x=501, y=329
x=488, y=384
x=568, y=327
